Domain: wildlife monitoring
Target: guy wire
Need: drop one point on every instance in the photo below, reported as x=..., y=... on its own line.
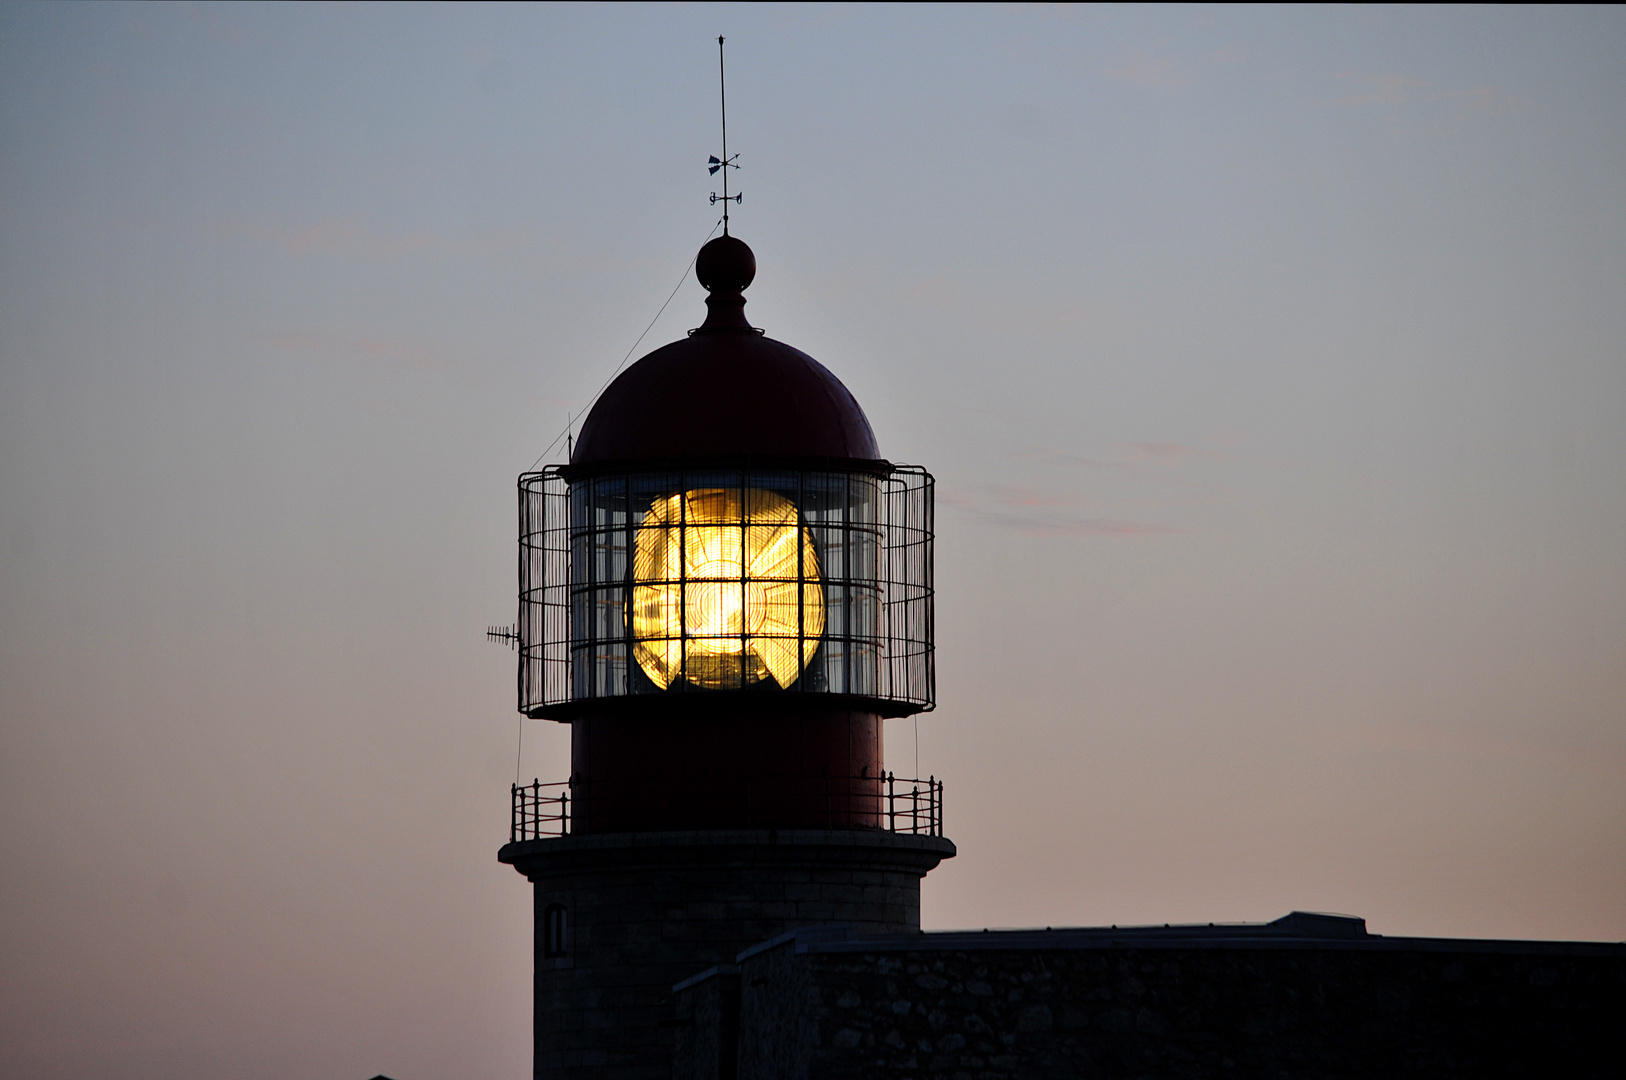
x=571, y=423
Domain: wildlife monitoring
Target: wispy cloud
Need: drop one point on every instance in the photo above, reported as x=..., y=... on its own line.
x=1394, y=90
x=1132, y=455
x=1146, y=69
x=1385, y=89
x=1114, y=494
x=1059, y=526
x=1165, y=453
x=1037, y=512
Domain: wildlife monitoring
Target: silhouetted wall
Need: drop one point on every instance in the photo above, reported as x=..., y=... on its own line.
x=1282, y=1000
x=643, y=910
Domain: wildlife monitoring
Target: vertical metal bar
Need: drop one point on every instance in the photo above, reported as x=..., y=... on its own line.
x=801, y=578
x=523, y=625
x=628, y=585
x=594, y=555
x=683, y=581
x=929, y=514
x=847, y=569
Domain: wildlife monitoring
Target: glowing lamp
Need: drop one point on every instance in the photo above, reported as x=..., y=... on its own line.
x=725, y=595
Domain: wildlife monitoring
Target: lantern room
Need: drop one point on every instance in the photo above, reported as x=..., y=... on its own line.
x=726, y=587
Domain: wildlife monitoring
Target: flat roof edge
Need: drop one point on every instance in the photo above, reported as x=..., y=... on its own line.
x=1221, y=938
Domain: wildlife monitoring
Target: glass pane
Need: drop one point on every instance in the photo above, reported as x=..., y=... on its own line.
x=725, y=579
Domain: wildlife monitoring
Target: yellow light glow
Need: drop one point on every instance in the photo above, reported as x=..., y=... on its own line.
x=716, y=583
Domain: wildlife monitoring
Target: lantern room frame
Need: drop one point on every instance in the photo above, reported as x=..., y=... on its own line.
x=870, y=524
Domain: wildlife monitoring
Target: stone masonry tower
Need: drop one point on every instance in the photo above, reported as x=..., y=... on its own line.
x=724, y=593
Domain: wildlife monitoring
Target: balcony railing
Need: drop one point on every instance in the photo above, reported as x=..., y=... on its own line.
x=540, y=810
x=833, y=802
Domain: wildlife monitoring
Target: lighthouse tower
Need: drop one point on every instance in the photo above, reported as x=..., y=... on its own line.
x=724, y=593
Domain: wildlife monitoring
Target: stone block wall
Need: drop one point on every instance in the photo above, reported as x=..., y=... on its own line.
x=644, y=910
x=707, y=1022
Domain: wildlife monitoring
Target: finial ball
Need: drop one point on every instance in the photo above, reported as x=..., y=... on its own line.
x=726, y=264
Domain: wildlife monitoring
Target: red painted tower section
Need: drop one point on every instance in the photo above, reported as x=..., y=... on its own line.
x=727, y=768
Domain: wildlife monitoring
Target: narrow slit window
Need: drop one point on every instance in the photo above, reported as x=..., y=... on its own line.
x=554, y=926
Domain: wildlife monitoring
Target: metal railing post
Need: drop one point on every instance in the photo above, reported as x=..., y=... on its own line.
x=937, y=807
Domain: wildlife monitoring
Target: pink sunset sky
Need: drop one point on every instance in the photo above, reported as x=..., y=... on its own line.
x=1271, y=362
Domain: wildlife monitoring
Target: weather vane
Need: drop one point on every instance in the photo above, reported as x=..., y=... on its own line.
x=725, y=162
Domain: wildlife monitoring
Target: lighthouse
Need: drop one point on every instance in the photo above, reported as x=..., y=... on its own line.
x=724, y=592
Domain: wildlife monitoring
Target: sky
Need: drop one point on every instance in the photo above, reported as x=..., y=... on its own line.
x=1271, y=363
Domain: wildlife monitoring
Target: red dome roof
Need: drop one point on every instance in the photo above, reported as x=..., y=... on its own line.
x=725, y=391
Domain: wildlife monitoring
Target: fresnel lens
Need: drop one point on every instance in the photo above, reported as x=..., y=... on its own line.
x=726, y=590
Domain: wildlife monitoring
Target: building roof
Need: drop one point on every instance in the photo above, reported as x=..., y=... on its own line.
x=1296, y=930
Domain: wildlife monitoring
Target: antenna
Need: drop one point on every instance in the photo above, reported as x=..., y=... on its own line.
x=725, y=162
x=504, y=635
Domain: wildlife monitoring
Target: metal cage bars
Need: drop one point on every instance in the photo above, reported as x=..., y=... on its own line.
x=871, y=536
